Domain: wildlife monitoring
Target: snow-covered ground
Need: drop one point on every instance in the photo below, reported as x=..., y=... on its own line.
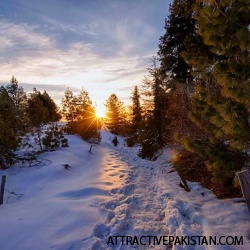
x=111, y=192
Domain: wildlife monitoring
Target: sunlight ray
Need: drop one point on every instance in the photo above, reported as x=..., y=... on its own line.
x=83, y=119
x=89, y=125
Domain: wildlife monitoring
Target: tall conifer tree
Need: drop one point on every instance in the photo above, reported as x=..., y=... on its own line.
x=179, y=27
x=221, y=100
x=156, y=123
x=115, y=114
x=180, y=30
x=8, y=120
x=80, y=114
x=69, y=106
x=136, y=111
x=19, y=99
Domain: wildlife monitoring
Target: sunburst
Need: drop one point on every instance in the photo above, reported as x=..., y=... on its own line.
x=97, y=117
x=100, y=112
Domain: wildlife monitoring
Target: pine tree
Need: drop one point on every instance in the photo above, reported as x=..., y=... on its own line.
x=84, y=104
x=136, y=112
x=69, y=106
x=8, y=120
x=16, y=93
x=221, y=100
x=179, y=37
x=54, y=137
x=179, y=27
x=19, y=99
x=80, y=114
x=160, y=109
x=38, y=114
x=42, y=109
x=115, y=115
x=49, y=104
x=87, y=123
x=156, y=122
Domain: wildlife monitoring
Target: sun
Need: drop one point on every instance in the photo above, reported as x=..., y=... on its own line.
x=100, y=112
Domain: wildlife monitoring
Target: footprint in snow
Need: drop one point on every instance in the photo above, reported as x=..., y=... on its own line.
x=123, y=171
x=112, y=174
x=108, y=183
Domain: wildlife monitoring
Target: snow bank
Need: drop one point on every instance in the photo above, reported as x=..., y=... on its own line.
x=111, y=192
x=152, y=203
x=59, y=207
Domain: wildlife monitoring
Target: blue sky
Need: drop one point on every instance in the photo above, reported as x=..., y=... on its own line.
x=103, y=46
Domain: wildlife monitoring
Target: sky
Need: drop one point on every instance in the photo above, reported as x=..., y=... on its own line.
x=102, y=46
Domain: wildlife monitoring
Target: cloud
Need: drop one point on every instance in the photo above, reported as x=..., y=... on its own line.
x=47, y=87
x=81, y=29
x=102, y=46
x=22, y=38
x=35, y=58
x=29, y=52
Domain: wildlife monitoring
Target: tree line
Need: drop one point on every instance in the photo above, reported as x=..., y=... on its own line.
x=21, y=113
x=200, y=89
x=23, y=116
x=204, y=57
x=197, y=92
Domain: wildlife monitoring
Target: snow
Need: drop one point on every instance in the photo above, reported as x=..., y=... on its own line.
x=111, y=192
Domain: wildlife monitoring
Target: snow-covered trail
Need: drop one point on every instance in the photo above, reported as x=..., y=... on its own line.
x=140, y=207
x=59, y=208
x=111, y=192
x=151, y=203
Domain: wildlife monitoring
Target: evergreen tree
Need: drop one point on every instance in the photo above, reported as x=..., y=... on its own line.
x=221, y=100
x=84, y=106
x=38, y=114
x=42, y=109
x=160, y=109
x=19, y=99
x=156, y=121
x=54, y=137
x=69, y=107
x=180, y=36
x=49, y=104
x=115, y=115
x=87, y=125
x=179, y=27
x=8, y=120
x=136, y=111
x=80, y=114
x=16, y=93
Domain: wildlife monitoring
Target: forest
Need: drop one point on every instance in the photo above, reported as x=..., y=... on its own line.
x=195, y=98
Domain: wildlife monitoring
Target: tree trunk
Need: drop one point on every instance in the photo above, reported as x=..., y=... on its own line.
x=39, y=138
x=2, y=189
